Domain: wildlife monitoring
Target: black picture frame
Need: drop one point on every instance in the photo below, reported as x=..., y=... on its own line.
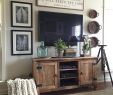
x=21, y=14
x=21, y=42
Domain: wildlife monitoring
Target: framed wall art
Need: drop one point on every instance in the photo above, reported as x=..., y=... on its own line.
x=69, y=4
x=21, y=14
x=21, y=42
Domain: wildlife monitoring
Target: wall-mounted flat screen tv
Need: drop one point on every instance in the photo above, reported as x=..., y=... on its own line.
x=53, y=26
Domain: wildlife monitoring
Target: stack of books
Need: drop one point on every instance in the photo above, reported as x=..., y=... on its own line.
x=70, y=52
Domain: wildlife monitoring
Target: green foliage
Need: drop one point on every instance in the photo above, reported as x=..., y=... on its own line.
x=60, y=45
x=86, y=47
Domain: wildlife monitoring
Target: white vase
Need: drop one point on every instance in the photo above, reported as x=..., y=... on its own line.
x=79, y=49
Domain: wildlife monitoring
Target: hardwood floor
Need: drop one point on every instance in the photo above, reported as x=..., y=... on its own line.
x=100, y=86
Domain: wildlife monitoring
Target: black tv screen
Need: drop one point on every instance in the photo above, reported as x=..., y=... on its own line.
x=53, y=26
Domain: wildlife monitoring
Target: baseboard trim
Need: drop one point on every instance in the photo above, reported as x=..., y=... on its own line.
x=3, y=88
x=3, y=93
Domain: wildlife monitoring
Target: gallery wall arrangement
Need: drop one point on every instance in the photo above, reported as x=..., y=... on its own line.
x=21, y=17
x=93, y=27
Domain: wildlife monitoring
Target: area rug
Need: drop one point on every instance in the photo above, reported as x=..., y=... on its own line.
x=100, y=92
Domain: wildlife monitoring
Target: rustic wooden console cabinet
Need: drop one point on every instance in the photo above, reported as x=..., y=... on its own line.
x=52, y=74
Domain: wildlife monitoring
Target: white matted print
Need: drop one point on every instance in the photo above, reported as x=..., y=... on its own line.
x=21, y=14
x=21, y=42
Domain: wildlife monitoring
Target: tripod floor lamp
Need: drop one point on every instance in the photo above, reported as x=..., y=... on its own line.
x=101, y=57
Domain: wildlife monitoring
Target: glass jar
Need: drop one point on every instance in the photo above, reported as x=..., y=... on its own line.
x=42, y=51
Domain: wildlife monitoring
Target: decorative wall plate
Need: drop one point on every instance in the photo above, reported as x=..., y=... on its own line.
x=93, y=13
x=94, y=27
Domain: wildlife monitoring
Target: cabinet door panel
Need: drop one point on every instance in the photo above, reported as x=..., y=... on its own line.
x=85, y=72
x=47, y=75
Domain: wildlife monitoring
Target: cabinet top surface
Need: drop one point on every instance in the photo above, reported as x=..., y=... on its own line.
x=63, y=58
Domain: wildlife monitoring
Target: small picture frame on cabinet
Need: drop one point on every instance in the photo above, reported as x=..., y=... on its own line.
x=21, y=14
x=21, y=42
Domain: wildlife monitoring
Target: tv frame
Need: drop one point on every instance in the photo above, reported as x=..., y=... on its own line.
x=72, y=43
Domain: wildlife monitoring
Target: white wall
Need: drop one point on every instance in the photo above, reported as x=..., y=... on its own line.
x=16, y=66
x=2, y=40
x=108, y=28
x=0, y=45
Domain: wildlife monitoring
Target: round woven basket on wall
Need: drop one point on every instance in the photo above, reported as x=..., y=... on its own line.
x=94, y=27
x=93, y=13
x=94, y=42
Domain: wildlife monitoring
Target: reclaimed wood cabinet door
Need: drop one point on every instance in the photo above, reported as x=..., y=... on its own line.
x=85, y=72
x=46, y=75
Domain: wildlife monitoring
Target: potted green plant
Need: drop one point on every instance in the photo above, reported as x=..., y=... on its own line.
x=60, y=45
